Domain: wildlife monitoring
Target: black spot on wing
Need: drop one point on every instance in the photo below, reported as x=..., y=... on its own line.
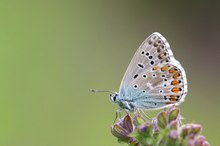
x=135, y=76
x=140, y=65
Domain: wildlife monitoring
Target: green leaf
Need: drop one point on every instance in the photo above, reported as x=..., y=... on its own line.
x=122, y=142
x=134, y=134
x=173, y=143
x=145, y=129
x=149, y=132
x=184, y=131
x=138, y=120
x=134, y=143
x=173, y=114
x=173, y=125
x=161, y=120
x=139, y=138
x=196, y=129
x=161, y=142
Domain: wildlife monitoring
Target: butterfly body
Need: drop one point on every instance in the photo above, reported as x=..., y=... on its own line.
x=154, y=78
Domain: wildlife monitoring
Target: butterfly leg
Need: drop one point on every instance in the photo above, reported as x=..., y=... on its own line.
x=142, y=113
x=139, y=113
x=118, y=114
x=180, y=120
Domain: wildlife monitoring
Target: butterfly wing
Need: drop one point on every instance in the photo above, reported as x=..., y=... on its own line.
x=154, y=78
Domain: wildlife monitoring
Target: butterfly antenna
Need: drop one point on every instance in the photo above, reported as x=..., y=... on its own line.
x=95, y=90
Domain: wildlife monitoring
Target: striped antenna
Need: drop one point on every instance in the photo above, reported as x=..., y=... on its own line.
x=95, y=90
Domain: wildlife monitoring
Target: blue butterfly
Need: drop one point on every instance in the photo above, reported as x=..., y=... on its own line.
x=154, y=78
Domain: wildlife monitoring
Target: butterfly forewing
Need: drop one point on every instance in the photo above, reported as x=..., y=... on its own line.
x=154, y=78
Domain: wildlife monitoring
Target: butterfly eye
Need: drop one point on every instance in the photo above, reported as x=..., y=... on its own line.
x=114, y=98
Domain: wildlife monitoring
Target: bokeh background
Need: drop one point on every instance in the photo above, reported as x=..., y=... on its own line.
x=53, y=52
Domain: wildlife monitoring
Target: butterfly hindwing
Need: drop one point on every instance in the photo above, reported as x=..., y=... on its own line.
x=154, y=78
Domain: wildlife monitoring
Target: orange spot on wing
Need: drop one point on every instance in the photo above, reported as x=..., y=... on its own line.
x=156, y=67
x=175, y=82
x=173, y=98
x=161, y=56
x=175, y=89
x=172, y=70
x=164, y=68
x=176, y=74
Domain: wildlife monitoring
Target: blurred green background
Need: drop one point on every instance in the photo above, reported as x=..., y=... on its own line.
x=53, y=52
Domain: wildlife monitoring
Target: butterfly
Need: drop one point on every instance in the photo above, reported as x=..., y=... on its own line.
x=154, y=79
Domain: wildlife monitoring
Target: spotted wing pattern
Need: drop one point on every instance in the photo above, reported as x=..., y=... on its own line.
x=154, y=78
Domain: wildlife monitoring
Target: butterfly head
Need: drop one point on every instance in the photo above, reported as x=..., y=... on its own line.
x=114, y=97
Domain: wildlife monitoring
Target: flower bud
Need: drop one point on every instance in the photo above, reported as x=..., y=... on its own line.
x=200, y=141
x=155, y=126
x=123, y=128
x=138, y=120
x=161, y=120
x=142, y=129
x=173, y=114
x=173, y=135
